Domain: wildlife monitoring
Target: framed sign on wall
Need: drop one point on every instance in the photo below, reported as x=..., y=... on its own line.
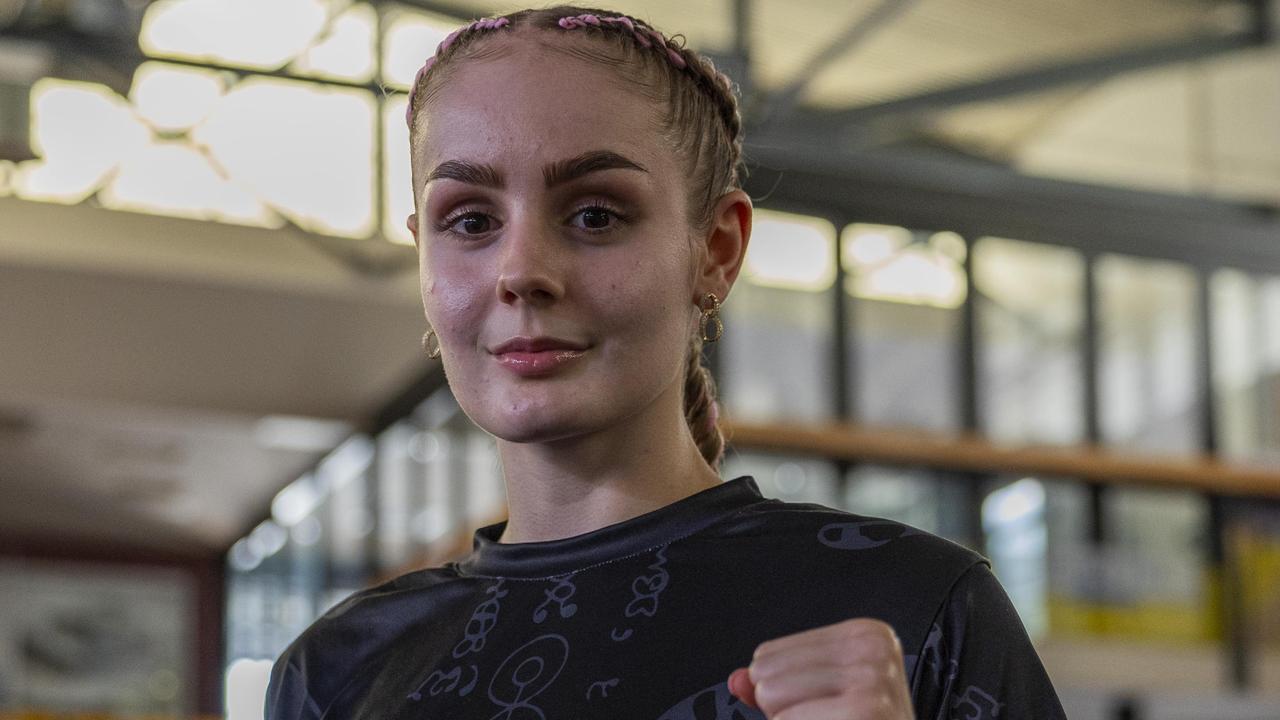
x=94, y=638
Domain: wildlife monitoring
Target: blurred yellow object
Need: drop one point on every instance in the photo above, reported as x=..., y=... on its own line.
x=1258, y=554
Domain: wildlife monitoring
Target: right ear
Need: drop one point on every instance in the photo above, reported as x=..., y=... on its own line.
x=412, y=223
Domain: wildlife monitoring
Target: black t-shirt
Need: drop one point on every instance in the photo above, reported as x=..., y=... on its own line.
x=647, y=618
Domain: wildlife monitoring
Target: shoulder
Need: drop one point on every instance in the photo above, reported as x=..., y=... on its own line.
x=979, y=621
x=844, y=537
x=328, y=655
x=845, y=563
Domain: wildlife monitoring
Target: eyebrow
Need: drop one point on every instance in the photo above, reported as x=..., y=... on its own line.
x=557, y=173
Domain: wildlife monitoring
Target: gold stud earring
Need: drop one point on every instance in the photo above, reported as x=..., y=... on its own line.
x=710, y=306
x=432, y=353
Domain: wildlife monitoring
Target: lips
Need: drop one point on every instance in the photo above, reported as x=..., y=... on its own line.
x=536, y=345
x=532, y=357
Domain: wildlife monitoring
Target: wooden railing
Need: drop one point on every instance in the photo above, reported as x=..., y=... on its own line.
x=959, y=453
x=970, y=453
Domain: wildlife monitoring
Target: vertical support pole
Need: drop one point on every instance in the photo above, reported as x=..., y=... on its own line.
x=1236, y=647
x=842, y=367
x=742, y=47
x=969, y=380
x=1091, y=351
x=1095, y=502
x=379, y=137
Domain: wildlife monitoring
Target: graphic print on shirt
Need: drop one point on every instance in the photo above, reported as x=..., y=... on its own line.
x=930, y=660
x=560, y=594
x=863, y=535
x=603, y=686
x=526, y=673
x=941, y=671
x=975, y=704
x=441, y=682
x=713, y=703
x=482, y=621
x=646, y=589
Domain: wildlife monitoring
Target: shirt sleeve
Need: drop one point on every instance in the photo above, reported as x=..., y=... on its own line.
x=977, y=662
x=287, y=697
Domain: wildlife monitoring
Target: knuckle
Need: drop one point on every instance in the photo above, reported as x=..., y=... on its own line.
x=769, y=696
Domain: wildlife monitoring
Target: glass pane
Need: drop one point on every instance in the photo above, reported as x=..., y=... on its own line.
x=1149, y=580
x=930, y=501
x=786, y=478
x=486, y=491
x=903, y=294
x=907, y=496
x=243, y=33
x=1147, y=355
x=434, y=520
x=304, y=149
x=409, y=39
x=396, y=473
x=350, y=516
x=344, y=51
x=1159, y=541
x=776, y=349
x=1030, y=315
x=1014, y=522
x=82, y=133
x=397, y=173
x=1246, y=364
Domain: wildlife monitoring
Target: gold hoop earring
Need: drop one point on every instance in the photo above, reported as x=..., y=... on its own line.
x=710, y=306
x=426, y=345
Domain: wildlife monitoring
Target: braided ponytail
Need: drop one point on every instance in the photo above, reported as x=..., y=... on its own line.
x=701, y=409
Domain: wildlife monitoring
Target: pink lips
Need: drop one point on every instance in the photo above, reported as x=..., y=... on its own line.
x=530, y=357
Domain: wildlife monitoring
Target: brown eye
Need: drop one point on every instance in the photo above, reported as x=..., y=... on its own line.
x=595, y=218
x=472, y=223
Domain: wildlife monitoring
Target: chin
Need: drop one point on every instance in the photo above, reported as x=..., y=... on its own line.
x=537, y=429
x=520, y=418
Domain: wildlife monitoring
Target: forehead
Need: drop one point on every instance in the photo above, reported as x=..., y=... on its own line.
x=529, y=105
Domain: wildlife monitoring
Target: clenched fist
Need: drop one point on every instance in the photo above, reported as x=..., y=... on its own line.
x=852, y=670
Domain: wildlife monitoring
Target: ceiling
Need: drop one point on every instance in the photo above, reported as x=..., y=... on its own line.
x=140, y=355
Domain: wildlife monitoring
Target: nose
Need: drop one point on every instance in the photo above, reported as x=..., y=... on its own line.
x=530, y=264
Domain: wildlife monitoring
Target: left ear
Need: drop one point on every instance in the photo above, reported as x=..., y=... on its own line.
x=726, y=242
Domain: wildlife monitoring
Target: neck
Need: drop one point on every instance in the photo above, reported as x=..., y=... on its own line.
x=576, y=485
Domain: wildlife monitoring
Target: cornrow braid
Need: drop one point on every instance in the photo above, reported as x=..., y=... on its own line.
x=701, y=410
x=702, y=123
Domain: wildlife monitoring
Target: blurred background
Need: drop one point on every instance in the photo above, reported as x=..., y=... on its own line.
x=1015, y=280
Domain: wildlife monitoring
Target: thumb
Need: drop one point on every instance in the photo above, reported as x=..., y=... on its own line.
x=741, y=686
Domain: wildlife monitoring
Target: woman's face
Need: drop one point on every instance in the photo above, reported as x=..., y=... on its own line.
x=550, y=210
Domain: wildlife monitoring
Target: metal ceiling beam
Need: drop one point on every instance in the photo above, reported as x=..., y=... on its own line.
x=782, y=102
x=934, y=192
x=1045, y=78
x=461, y=13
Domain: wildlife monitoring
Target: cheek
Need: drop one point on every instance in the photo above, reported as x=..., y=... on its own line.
x=450, y=294
x=646, y=298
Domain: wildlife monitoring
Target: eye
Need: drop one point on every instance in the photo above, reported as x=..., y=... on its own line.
x=467, y=223
x=597, y=218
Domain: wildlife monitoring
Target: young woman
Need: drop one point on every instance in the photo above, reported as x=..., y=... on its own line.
x=579, y=220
